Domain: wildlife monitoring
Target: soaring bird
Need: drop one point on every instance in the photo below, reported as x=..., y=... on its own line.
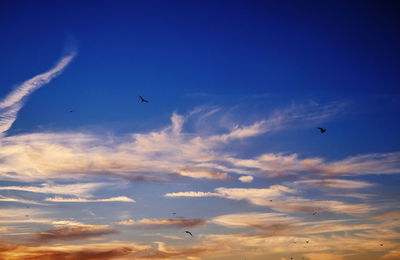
x=188, y=232
x=143, y=100
x=72, y=111
x=322, y=130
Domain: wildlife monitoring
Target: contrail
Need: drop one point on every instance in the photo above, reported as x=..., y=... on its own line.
x=12, y=103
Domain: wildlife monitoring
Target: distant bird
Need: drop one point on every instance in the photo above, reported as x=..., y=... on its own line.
x=315, y=213
x=173, y=213
x=143, y=100
x=270, y=200
x=322, y=130
x=381, y=244
x=72, y=111
x=188, y=232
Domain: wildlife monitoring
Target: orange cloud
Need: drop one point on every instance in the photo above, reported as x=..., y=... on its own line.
x=67, y=230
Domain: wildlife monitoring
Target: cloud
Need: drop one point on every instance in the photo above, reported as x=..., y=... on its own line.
x=76, y=189
x=67, y=230
x=12, y=103
x=164, y=223
x=19, y=200
x=246, y=179
x=278, y=224
x=336, y=183
x=153, y=156
x=161, y=251
x=277, y=164
x=101, y=251
x=193, y=194
x=18, y=215
x=198, y=173
x=393, y=254
x=81, y=200
x=279, y=198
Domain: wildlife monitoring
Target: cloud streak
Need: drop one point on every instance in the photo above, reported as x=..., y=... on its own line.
x=67, y=230
x=11, y=104
x=82, y=200
x=164, y=223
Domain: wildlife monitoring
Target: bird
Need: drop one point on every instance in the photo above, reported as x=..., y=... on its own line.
x=188, y=232
x=173, y=213
x=270, y=200
x=322, y=130
x=381, y=244
x=72, y=111
x=315, y=213
x=143, y=100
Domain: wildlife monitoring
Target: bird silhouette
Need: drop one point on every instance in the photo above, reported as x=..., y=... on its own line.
x=143, y=100
x=188, y=232
x=322, y=130
x=315, y=213
x=72, y=111
x=381, y=244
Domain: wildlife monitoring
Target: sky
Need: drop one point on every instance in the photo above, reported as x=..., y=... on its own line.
x=228, y=146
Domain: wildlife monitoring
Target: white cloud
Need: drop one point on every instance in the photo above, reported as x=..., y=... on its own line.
x=246, y=179
x=280, y=198
x=11, y=104
x=82, y=200
x=76, y=189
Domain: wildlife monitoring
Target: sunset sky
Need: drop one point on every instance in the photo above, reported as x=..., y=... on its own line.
x=228, y=146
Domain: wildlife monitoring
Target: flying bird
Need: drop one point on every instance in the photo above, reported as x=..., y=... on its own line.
x=72, y=111
x=322, y=130
x=143, y=100
x=315, y=213
x=188, y=232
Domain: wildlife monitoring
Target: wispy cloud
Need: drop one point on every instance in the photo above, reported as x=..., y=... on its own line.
x=82, y=200
x=76, y=189
x=19, y=200
x=153, y=156
x=12, y=103
x=279, y=198
x=67, y=230
x=278, y=164
x=336, y=183
x=164, y=223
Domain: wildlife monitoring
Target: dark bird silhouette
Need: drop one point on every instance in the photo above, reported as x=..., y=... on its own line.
x=173, y=213
x=315, y=213
x=270, y=200
x=381, y=244
x=188, y=232
x=143, y=100
x=322, y=130
x=72, y=111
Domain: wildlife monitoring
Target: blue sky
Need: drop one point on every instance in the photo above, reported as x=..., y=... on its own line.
x=228, y=142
